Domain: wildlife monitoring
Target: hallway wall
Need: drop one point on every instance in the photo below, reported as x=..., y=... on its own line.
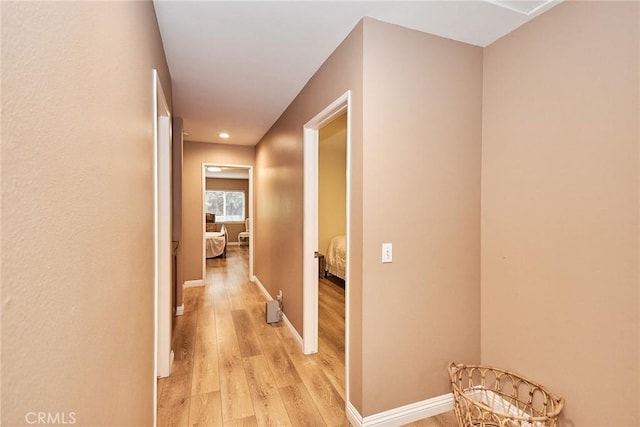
x=398, y=166
x=195, y=154
x=279, y=207
x=77, y=218
x=560, y=208
x=422, y=131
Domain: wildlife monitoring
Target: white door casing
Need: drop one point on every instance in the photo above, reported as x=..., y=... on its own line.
x=162, y=229
x=310, y=227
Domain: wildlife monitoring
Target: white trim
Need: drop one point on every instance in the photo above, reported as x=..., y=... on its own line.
x=353, y=415
x=161, y=187
x=162, y=228
x=296, y=336
x=193, y=283
x=180, y=310
x=155, y=248
x=404, y=414
x=203, y=229
x=310, y=229
x=347, y=301
x=251, y=222
x=264, y=291
x=233, y=243
x=525, y=8
x=294, y=333
x=310, y=242
x=310, y=223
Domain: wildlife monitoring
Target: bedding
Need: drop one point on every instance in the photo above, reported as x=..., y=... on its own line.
x=216, y=243
x=336, y=259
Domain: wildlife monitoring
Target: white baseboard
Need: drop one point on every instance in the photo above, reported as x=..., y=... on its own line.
x=233, y=243
x=404, y=414
x=193, y=283
x=353, y=415
x=393, y=417
x=180, y=310
x=294, y=333
x=264, y=291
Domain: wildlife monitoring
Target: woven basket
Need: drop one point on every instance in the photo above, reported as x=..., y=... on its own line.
x=490, y=397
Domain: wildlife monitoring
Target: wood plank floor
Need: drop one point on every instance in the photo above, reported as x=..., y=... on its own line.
x=233, y=369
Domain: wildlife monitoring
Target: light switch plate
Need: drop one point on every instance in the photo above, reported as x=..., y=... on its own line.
x=387, y=252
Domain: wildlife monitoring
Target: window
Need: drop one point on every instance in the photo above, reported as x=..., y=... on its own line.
x=227, y=205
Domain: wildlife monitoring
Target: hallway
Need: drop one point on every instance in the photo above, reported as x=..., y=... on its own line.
x=232, y=368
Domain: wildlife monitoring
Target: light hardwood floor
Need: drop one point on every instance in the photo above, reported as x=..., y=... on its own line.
x=231, y=368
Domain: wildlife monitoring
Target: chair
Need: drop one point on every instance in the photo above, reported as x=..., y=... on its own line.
x=223, y=230
x=246, y=234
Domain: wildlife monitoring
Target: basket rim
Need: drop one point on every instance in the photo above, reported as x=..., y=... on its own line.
x=455, y=367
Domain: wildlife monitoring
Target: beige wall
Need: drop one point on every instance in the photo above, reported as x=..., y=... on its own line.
x=233, y=228
x=399, y=313
x=195, y=154
x=560, y=208
x=422, y=131
x=332, y=181
x=278, y=181
x=77, y=230
x=176, y=214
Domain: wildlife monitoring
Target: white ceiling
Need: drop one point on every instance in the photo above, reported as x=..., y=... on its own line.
x=236, y=65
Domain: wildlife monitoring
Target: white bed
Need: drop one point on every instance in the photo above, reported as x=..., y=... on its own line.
x=216, y=243
x=336, y=258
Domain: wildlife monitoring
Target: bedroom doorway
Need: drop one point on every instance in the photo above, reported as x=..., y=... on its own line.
x=332, y=230
x=162, y=232
x=227, y=193
x=311, y=249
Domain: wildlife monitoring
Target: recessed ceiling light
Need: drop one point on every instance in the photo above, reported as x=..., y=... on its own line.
x=214, y=169
x=223, y=135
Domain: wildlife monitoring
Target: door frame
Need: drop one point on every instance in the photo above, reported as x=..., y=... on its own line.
x=203, y=173
x=162, y=232
x=310, y=226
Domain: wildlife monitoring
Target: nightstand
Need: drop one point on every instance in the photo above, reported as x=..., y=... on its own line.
x=321, y=273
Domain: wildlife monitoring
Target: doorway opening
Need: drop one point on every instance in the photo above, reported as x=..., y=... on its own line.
x=332, y=200
x=337, y=108
x=227, y=200
x=163, y=312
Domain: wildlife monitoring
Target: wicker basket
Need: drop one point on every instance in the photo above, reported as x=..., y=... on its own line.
x=490, y=397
